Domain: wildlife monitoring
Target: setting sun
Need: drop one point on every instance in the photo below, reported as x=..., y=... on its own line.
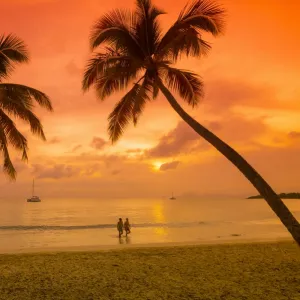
x=156, y=165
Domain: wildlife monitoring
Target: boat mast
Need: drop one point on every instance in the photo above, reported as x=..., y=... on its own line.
x=32, y=187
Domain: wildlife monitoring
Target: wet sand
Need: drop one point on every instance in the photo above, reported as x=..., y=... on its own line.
x=234, y=239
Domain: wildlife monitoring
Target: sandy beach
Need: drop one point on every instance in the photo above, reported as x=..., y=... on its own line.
x=256, y=270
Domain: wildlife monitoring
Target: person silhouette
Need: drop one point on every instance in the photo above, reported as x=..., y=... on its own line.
x=127, y=226
x=120, y=227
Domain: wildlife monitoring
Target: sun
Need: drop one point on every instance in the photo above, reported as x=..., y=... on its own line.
x=156, y=165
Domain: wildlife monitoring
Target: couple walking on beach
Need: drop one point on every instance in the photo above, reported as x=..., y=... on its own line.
x=121, y=226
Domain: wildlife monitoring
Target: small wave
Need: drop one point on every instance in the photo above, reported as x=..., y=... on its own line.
x=96, y=226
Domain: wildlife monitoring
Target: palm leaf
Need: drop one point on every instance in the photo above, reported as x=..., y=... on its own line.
x=115, y=79
x=11, y=97
x=12, y=50
x=115, y=29
x=187, y=42
x=97, y=66
x=8, y=167
x=131, y=103
x=141, y=97
x=26, y=93
x=147, y=29
x=110, y=75
x=11, y=104
x=205, y=15
x=121, y=115
x=15, y=138
x=107, y=85
x=185, y=35
x=187, y=84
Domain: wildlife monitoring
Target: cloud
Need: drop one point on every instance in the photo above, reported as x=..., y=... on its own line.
x=77, y=147
x=91, y=169
x=294, y=134
x=183, y=139
x=20, y=165
x=73, y=69
x=169, y=166
x=98, y=143
x=115, y=172
x=223, y=94
x=54, y=140
x=134, y=151
x=175, y=142
x=214, y=126
x=112, y=160
x=238, y=129
x=56, y=171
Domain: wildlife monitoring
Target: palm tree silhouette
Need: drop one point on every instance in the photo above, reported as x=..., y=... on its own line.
x=16, y=101
x=136, y=51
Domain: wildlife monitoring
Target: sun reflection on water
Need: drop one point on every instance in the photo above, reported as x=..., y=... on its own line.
x=159, y=217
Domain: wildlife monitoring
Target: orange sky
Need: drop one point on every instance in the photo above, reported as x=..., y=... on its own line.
x=252, y=102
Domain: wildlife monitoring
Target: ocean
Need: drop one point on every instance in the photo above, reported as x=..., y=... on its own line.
x=65, y=223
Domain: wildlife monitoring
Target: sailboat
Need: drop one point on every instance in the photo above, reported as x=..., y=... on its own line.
x=33, y=197
x=172, y=198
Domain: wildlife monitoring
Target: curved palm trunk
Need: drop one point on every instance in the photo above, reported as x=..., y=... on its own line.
x=258, y=182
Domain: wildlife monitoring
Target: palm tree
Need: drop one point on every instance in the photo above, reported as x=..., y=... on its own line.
x=135, y=51
x=16, y=101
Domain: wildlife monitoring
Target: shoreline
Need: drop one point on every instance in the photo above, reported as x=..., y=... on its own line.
x=119, y=247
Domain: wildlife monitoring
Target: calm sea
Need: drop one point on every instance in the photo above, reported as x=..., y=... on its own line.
x=58, y=223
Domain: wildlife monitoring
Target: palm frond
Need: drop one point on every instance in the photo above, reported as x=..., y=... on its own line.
x=97, y=66
x=122, y=114
x=8, y=166
x=110, y=74
x=187, y=42
x=116, y=29
x=28, y=94
x=141, y=97
x=205, y=15
x=10, y=97
x=115, y=79
x=185, y=35
x=187, y=84
x=12, y=50
x=14, y=136
x=107, y=85
x=147, y=29
x=13, y=104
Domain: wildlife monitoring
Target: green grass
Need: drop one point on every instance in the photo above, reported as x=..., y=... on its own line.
x=248, y=271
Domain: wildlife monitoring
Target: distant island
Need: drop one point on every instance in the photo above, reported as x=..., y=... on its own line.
x=282, y=196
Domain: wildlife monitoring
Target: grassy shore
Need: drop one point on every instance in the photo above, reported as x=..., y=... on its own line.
x=244, y=271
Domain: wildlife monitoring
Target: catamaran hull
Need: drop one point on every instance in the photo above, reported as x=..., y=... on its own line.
x=33, y=200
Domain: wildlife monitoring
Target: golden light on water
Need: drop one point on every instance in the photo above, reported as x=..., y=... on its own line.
x=160, y=231
x=158, y=212
x=159, y=217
